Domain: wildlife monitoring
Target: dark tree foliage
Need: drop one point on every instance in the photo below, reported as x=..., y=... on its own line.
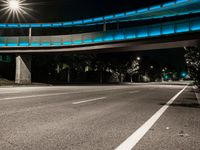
x=193, y=61
x=80, y=67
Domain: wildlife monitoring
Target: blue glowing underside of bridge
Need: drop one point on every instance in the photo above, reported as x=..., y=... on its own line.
x=169, y=9
x=168, y=28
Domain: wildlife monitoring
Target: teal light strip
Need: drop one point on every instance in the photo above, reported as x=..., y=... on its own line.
x=156, y=30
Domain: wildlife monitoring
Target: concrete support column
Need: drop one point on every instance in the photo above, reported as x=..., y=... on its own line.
x=23, y=69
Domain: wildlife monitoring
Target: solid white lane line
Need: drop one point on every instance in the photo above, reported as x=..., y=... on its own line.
x=40, y=95
x=132, y=140
x=89, y=100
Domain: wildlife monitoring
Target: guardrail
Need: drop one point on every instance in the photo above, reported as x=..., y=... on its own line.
x=169, y=9
x=175, y=27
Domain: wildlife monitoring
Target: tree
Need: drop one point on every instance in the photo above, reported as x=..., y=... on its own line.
x=193, y=62
x=118, y=63
x=134, y=69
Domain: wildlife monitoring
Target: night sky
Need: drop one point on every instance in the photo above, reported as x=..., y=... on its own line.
x=64, y=10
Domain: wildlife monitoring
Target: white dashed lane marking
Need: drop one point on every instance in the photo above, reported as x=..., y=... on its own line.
x=89, y=100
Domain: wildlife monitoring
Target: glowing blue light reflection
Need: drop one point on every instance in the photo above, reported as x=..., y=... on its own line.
x=98, y=19
x=119, y=36
x=154, y=31
x=46, y=25
x=67, y=43
x=56, y=43
x=24, y=25
x=23, y=44
x=182, y=28
x=35, y=44
x=88, y=41
x=45, y=43
x=2, y=44
x=98, y=39
x=11, y=44
x=35, y=25
x=155, y=7
x=77, y=42
x=12, y=25
x=142, y=10
x=120, y=15
x=168, y=29
x=109, y=17
x=169, y=4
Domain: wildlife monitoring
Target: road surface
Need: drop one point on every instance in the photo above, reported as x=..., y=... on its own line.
x=99, y=118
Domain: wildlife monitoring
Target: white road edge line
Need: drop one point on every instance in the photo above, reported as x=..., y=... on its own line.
x=132, y=140
x=196, y=94
x=89, y=100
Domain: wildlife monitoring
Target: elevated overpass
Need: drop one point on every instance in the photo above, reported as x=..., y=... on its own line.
x=99, y=40
x=173, y=34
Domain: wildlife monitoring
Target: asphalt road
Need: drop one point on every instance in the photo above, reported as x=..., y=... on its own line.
x=99, y=118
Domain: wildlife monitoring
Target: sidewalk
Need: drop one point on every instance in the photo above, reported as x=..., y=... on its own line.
x=160, y=83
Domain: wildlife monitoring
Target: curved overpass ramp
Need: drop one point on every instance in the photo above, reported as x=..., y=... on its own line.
x=129, y=37
x=168, y=9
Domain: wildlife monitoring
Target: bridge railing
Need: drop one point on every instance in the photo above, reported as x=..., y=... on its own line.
x=175, y=27
x=168, y=9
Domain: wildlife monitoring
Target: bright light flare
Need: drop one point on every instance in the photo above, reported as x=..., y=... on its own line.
x=15, y=9
x=138, y=58
x=14, y=5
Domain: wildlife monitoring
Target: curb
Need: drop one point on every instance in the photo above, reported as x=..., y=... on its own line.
x=197, y=93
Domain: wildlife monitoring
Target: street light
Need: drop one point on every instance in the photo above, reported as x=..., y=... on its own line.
x=138, y=58
x=15, y=9
x=14, y=5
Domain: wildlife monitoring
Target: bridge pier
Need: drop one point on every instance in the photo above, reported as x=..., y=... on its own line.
x=23, y=69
